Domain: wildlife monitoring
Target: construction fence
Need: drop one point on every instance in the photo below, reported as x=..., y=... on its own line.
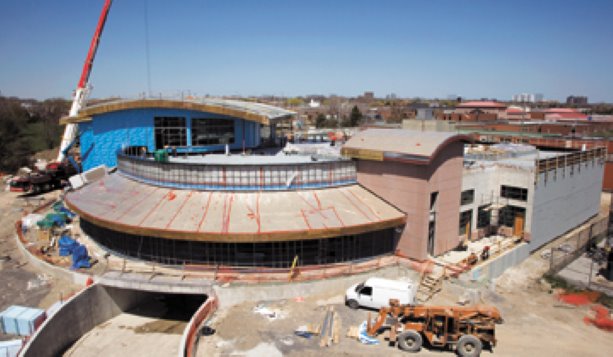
x=576, y=243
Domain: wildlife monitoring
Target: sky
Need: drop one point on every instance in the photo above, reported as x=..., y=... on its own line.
x=411, y=48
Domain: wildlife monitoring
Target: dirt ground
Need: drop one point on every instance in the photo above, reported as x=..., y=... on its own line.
x=20, y=283
x=535, y=323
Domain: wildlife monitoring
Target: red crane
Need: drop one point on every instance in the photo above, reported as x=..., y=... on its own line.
x=81, y=92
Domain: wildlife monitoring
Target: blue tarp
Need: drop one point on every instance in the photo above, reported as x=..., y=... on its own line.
x=67, y=245
x=59, y=208
x=80, y=259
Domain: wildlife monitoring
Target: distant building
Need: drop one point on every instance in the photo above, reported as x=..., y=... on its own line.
x=576, y=100
x=369, y=95
x=475, y=111
x=528, y=98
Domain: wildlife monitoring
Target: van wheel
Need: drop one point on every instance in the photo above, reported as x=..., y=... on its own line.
x=410, y=341
x=469, y=346
x=353, y=304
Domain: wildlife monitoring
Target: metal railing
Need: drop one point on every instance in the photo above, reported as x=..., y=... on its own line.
x=219, y=177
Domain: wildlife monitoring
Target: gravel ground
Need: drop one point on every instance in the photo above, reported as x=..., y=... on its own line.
x=21, y=284
x=535, y=323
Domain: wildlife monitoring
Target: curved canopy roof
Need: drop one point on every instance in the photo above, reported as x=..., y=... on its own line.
x=258, y=112
x=118, y=203
x=399, y=144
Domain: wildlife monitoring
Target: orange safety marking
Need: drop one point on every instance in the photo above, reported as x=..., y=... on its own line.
x=206, y=211
x=180, y=208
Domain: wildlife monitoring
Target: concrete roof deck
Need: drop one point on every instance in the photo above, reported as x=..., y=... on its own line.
x=510, y=155
x=258, y=112
x=128, y=206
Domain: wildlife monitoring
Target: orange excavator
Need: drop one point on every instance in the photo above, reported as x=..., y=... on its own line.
x=466, y=329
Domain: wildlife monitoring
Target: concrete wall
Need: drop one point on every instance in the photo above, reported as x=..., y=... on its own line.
x=79, y=315
x=487, y=178
x=107, y=133
x=236, y=293
x=494, y=267
x=408, y=187
x=565, y=200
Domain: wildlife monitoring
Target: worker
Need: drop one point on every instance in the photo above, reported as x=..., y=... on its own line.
x=485, y=253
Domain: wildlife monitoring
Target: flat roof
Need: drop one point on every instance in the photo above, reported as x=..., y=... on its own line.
x=252, y=111
x=518, y=155
x=125, y=205
x=380, y=144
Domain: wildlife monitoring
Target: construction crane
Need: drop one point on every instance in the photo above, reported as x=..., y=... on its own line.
x=70, y=133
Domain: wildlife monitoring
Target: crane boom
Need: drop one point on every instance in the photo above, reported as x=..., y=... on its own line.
x=81, y=93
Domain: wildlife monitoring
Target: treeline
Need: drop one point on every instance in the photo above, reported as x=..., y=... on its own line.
x=28, y=126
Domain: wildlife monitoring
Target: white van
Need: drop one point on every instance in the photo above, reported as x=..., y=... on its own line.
x=376, y=293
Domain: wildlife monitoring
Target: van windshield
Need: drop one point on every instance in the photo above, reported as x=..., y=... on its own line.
x=359, y=287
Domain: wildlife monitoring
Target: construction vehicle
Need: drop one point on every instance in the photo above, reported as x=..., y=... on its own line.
x=52, y=176
x=70, y=133
x=55, y=174
x=466, y=329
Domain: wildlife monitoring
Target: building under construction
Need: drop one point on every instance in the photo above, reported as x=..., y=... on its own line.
x=385, y=192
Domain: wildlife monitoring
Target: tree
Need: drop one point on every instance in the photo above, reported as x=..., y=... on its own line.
x=355, y=117
x=320, y=121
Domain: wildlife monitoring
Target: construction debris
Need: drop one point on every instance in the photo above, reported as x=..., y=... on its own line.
x=579, y=298
x=363, y=336
x=267, y=312
x=602, y=320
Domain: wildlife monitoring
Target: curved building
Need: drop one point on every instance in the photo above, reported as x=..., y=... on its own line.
x=204, y=208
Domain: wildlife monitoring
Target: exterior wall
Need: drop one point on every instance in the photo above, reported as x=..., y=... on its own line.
x=487, y=179
x=109, y=132
x=446, y=179
x=563, y=200
x=408, y=187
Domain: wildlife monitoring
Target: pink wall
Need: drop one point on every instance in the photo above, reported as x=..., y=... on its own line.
x=408, y=187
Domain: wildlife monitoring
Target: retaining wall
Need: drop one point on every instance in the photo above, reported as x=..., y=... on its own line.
x=78, y=316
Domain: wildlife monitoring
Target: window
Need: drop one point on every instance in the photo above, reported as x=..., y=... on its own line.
x=170, y=131
x=206, y=131
x=516, y=193
x=508, y=213
x=465, y=222
x=433, y=197
x=367, y=290
x=467, y=197
x=484, y=217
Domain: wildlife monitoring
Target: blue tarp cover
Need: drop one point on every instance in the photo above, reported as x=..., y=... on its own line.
x=80, y=259
x=67, y=245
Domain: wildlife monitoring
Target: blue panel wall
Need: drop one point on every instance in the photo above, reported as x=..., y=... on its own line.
x=109, y=132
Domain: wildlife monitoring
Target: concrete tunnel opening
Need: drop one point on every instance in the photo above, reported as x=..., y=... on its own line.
x=105, y=320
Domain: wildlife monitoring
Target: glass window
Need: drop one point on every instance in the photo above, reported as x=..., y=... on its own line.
x=516, y=193
x=465, y=221
x=508, y=214
x=170, y=131
x=467, y=197
x=207, y=131
x=484, y=217
x=367, y=290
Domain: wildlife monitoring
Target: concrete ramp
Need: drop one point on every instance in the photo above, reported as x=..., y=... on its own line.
x=111, y=321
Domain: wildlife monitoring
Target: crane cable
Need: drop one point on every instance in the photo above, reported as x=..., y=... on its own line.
x=147, y=56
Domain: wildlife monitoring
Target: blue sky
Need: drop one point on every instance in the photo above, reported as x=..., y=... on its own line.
x=410, y=48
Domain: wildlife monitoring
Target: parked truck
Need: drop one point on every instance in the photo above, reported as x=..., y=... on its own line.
x=467, y=329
